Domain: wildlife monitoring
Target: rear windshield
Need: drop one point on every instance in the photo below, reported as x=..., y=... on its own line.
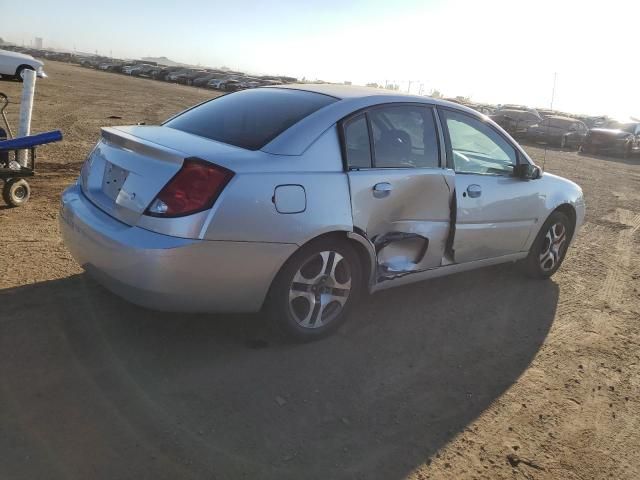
x=252, y=118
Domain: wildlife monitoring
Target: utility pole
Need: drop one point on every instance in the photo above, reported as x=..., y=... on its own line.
x=553, y=91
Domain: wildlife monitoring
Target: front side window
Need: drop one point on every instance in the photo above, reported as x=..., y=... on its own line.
x=404, y=136
x=478, y=148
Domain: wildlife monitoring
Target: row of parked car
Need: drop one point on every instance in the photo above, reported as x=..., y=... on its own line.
x=219, y=79
x=589, y=134
x=226, y=80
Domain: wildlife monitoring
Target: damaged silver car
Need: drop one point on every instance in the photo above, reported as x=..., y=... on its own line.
x=299, y=199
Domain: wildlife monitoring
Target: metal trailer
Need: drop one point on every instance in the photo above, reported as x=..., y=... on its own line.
x=16, y=190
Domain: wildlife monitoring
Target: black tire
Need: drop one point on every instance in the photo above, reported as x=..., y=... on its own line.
x=21, y=69
x=323, y=314
x=537, y=264
x=16, y=192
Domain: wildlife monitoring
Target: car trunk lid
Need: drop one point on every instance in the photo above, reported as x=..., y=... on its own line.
x=130, y=165
x=124, y=173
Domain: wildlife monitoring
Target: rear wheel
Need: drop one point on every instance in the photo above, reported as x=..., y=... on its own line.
x=16, y=192
x=550, y=247
x=315, y=290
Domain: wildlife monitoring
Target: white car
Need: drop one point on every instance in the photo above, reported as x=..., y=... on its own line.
x=12, y=64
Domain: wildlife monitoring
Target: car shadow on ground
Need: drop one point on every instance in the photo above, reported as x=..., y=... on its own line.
x=94, y=387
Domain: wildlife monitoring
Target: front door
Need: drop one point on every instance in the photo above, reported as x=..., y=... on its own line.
x=495, y=210
x=400, y=194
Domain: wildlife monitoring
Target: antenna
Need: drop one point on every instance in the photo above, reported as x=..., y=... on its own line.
x=553, y=96
x=553, y=90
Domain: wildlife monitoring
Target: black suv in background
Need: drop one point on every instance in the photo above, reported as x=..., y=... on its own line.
x=516, y=122
x=564, y=132
x=617, y=138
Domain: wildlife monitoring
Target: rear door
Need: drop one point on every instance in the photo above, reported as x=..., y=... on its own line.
x=495, y=211
x=400, y=194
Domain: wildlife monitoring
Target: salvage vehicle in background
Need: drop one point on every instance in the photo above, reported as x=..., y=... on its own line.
x=516, y=122
x=231, y=85
x=142, y=70
x=173, y=76
x=216, y=83
x=563, y=132
x=617, y=138
x=164, y=72
x=300, y=199
x=202, y=81
x=187, y=79
x=12, y=64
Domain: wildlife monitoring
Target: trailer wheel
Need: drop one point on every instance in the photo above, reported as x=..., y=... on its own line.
x=16, y=192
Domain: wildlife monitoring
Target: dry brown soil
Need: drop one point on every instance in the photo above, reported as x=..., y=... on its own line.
x=479, y=375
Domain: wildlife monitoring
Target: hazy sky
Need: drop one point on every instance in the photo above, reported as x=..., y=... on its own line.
x=492, y=50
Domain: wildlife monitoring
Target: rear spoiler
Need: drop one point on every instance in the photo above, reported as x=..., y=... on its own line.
x=115, y=136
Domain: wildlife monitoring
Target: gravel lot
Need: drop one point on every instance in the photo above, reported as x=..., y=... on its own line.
x=479, y=375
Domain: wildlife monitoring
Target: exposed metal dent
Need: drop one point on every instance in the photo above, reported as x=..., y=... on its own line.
x=399, y=252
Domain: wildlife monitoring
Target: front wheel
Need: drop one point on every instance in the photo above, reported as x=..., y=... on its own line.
x=550, y=247
x=315, y=290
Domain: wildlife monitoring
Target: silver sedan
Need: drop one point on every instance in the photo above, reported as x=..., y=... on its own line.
x=299, y=199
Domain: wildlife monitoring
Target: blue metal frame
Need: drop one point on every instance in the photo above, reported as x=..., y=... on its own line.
x=31, y=141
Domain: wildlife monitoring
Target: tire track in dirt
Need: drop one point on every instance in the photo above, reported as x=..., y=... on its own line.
x=613, y=286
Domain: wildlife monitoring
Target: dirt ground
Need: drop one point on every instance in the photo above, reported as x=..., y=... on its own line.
x=478, y=375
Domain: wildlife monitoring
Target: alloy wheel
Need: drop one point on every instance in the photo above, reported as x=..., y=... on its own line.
x=552, y=247
x=320, y=289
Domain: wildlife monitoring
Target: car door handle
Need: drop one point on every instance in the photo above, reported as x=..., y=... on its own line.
x=382, y=189
x=474, y=191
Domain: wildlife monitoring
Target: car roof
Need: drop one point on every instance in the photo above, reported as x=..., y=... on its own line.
x=340, y=91
x=560, y=117
x=347, y=92
x=513, y=110
x=350, y=99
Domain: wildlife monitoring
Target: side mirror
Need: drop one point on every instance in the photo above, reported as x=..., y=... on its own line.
x=526, y=171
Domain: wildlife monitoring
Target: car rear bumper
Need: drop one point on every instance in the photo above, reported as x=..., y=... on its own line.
x=168, y=273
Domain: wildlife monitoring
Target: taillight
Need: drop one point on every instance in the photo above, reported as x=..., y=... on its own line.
x=193, y=189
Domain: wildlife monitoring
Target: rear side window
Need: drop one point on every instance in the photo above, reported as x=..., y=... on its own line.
x=252, y=118
x=404, y=136
x=356, y=138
